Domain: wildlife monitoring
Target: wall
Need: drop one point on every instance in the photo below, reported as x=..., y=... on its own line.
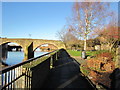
x=40, y=73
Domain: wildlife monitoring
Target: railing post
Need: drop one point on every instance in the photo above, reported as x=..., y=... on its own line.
x=27, y=80
x=56, y=55
x=51, y=62
x=54, y=59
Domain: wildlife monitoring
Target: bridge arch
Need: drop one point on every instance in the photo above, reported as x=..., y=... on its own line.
x=49, y=44
x=29, y=45
x=13, y=42
x=10, y=57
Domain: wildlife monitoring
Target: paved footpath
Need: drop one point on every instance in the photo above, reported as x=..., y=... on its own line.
x=66, y=74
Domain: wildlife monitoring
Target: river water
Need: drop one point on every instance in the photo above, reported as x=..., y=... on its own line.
x=17, y=57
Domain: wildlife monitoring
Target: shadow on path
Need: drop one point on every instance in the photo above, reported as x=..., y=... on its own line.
x=66, y=74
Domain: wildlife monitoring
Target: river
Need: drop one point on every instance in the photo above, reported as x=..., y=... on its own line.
x=17, y=57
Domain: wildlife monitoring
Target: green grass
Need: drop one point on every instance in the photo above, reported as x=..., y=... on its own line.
x=93, y=53
x=74, y=53
x=85, y=71
x=88, y=53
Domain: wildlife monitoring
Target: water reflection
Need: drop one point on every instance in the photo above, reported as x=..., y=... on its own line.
x=17, y=57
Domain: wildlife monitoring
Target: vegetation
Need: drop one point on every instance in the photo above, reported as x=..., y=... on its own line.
x=88, y=53
x=74, y=53
x=87, y=17
x=110, y=35
x=84, y=30
x=94, y=53
x=93, y=27
x=38, y=61
x=35, y=62
x=67, y=37
x=85, y=70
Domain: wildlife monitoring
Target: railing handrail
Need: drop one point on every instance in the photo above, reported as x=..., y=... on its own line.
x=24, y=62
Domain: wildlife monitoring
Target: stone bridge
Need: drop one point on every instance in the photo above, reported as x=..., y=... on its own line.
x=29, y=45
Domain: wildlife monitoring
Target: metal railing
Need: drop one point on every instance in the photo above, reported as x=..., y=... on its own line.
x=20, y=75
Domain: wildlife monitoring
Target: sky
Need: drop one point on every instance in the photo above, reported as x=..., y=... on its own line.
x=36, y=20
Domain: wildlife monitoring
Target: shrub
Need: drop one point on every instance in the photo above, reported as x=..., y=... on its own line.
x=85, y=70
x=106, y=55
x=102, y=62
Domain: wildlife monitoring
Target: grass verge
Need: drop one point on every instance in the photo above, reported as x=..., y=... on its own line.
x=88, y=53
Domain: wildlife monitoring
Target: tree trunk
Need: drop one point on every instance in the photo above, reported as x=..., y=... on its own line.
x=85, y=45
x=65, y=45
x=110, y=47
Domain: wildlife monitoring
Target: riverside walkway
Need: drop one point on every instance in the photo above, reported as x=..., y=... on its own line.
x=52, y=70
x=67, y=74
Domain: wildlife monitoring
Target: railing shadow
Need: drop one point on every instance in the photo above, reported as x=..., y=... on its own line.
x=66, y=74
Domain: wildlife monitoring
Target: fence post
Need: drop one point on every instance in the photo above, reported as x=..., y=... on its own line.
x=56, y=55
x=51, y=62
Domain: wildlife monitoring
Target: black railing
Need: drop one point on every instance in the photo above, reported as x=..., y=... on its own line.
x=20, y=75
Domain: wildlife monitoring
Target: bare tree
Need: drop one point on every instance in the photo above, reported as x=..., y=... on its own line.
x=66, y=36
x=88, y=16
x=109, y=35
